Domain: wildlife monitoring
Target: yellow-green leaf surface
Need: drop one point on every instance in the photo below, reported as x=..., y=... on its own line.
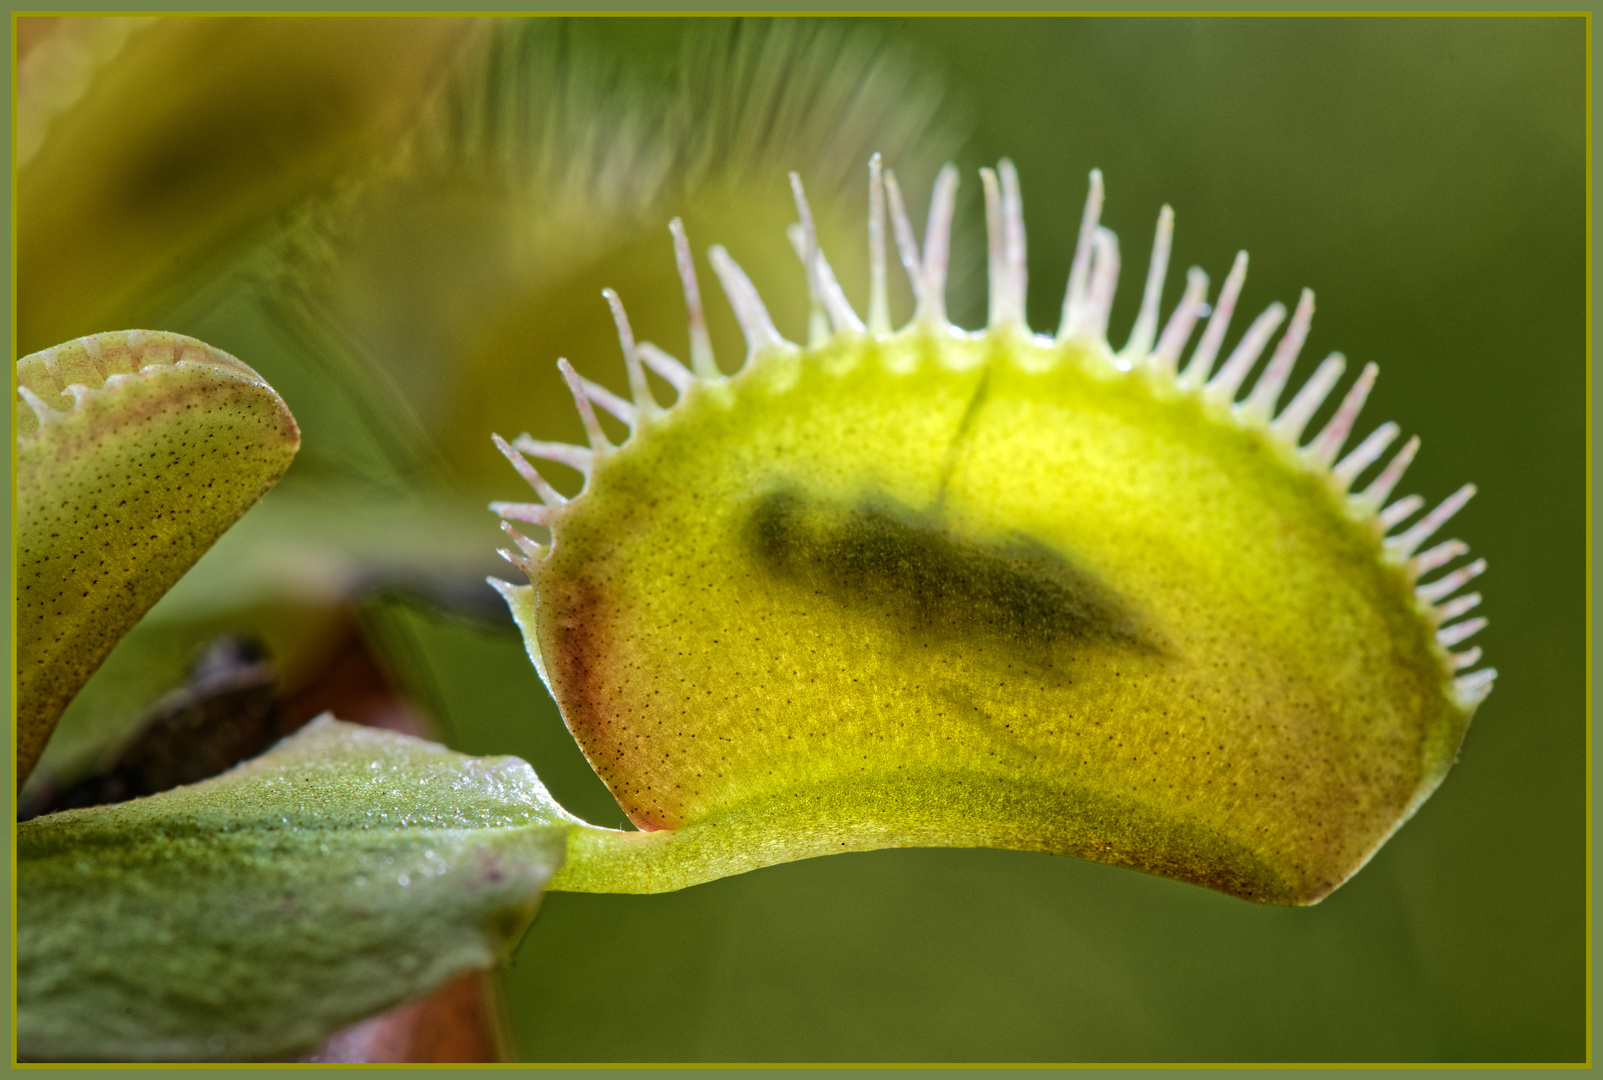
x=938, y=588
x=250, y=915
x=135, y=450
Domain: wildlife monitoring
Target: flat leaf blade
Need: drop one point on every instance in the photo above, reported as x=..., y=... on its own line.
x=249, y=916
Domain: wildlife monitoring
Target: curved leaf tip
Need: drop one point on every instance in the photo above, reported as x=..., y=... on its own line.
x=135, y=451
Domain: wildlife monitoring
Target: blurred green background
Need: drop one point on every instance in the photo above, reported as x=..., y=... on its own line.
x=1425, y=176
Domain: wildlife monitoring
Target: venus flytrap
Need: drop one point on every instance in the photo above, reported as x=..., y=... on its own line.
x=930, y=587
x=893, y=587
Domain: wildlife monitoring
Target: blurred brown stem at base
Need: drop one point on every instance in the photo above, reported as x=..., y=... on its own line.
x=456, y=1023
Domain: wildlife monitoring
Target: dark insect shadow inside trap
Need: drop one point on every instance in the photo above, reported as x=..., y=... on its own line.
x=914, y=568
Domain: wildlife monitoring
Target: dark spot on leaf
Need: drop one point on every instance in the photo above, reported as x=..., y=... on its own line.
x=912, y=567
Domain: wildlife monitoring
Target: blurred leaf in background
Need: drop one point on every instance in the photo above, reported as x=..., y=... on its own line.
x=549, y=168
x=407, y=275
x=150, y=150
